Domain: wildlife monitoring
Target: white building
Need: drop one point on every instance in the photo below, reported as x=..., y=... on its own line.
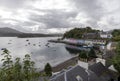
x=105, y=35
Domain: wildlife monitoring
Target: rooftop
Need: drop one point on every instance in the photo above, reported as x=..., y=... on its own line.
x=95, y=72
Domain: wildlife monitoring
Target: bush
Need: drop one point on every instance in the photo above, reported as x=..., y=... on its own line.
x=18, y=70
x=92, y=54
x=83, y=55
x=48, y=69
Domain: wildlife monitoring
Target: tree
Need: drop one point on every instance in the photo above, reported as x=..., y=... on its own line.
x=118, y=48
x=91, y=53
x=116, y=63
x=83, y=55
x=28, y=67
x=18, y=70
x=48, y=69
x=116, y=59
x=116, y=35
x=78, y=32
x=6, y=66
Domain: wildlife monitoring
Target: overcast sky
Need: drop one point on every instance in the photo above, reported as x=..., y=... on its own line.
x=57, y=16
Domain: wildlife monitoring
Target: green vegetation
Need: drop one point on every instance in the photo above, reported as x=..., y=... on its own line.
x=84, y=55
x=116, y=59
x=116, y=35
x=48, y=69
x=78, y=32
x=18, y=70
x=92, y=54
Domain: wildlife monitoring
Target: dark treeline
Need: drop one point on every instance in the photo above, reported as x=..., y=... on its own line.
x=24, y=35
x=78, y=32
x=116, y=35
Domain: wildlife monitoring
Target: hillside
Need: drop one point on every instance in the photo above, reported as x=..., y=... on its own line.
x=9, y=32
x=79, y=32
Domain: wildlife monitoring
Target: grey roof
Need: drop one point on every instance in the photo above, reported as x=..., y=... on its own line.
x=72, y=73
x=90, y=35
x=101, y=71
x=96, y=72
x=98, y=68
x=114, y=44
x=103, y=32
x=58, y=78
x=42, y=78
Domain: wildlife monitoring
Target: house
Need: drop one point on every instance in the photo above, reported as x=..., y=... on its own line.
x=76, y=73
x=90, y=35
x=95, y=72
x=102, y=72
x=89, y=42
x=99, y=41
x=74, y=41
x=105, y=35
x=113, y=45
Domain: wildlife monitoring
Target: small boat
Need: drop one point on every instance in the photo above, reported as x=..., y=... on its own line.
x=9, y=43
x=54, y=50
x=34, y=44
x=48, y=46
x=27, y=40
x=3, y=48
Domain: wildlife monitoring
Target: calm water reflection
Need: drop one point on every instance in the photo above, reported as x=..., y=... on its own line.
x=40, y=50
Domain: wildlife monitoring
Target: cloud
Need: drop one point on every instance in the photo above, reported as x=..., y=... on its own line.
x=13, y=4
x=59, y=15
x=54, y=18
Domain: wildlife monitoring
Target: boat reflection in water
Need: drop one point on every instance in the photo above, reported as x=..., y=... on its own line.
x=76, y=49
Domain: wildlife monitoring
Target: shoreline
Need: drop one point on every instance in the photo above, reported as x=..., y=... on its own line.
x=63, y=65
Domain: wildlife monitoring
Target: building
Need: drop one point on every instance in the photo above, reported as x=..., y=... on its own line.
x=76, y=73
x=99, y=41
x=113, y=45
x=95, y=72
x=102, y=72
x=105, y=35
x=91, y=36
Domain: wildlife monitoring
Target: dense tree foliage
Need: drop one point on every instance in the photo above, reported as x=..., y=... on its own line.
x=91, y=54
x=48, y=69
x=116, y=35
x=116, y=32
x=83, y=55
x=87, y=55
x=18, y=70
x=78, y=32
x=116, y=59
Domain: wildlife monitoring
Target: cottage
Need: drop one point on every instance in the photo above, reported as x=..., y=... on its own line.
x=105, y=35
x=113, y=45
x=102, y=72
x=95, y=72
x=90, y=35
x=76, y=73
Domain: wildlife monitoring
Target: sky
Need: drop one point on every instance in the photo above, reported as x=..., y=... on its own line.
x=58, y=16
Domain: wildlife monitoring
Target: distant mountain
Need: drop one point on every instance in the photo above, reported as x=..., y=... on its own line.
x=9, y=32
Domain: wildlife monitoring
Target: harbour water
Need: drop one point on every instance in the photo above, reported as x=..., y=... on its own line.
x=40, y=50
